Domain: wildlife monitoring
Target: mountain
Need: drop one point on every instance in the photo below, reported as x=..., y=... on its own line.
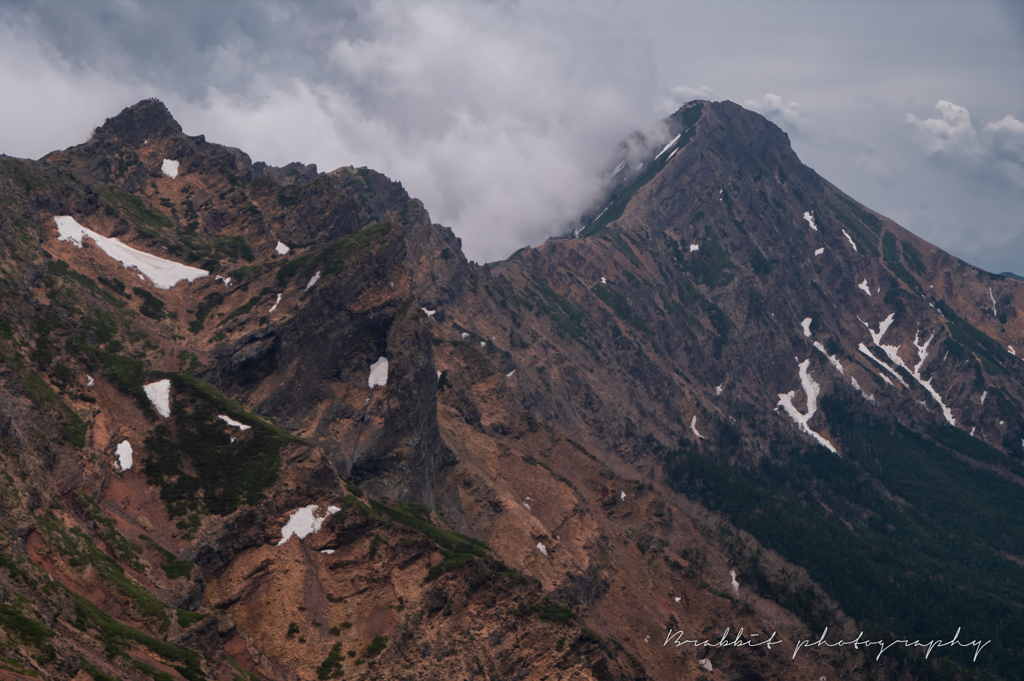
x=270, y=423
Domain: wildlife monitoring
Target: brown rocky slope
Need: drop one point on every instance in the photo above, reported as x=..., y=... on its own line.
x=568, y=417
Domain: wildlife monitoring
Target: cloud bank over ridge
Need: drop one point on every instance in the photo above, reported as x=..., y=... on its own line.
x=501, y=115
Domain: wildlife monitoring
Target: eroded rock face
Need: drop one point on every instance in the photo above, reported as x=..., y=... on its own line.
x=567, y=412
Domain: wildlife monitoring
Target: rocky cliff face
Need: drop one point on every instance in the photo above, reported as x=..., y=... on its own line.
x=737, y=399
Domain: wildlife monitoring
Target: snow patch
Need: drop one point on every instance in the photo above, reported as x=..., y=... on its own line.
x=863, y=286
x=718, y=390
x=379, y=372
x=543, y=549
x=622, y=496
x=1009, y=348
x=806, y=323
x=231, y=422
x=832, y=360
x=276, y=303
x=124, y=455
x=603, y=280
x=669, y=145
x=867, y=353
x=693, y=427
x=876, y=338
x=159, y=394
x=527, y=506
x=619, y=168
x=694, y=247
x=869, y=398
x=429, y=313
x=892, y=351
x=227, y=282
x=819, y=251
x=304, y=522
x=509, y=374
x=705, y=664
x=850, y=239
x=812, y=390
x=90, y=382
x=282, y=249
x=465, y=335
x=312, y=282
x=170, y=168
x=677, y=599
x=163, y=273
x=983, y=396
x=674, y=152
x=483, y=343
x=994, y=313
x=327, y=552
x=810, y=220
x=735, y=584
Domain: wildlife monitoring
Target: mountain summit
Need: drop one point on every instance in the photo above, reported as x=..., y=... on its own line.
x=270, y=423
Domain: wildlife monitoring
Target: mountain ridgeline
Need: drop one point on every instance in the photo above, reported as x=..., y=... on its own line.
x=270, y=423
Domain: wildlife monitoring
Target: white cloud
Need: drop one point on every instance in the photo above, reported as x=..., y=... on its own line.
x=500, y=121
x=952, y=132
x=681, y=94
x=772, y=107
x=1007, y=140
x=996, y=151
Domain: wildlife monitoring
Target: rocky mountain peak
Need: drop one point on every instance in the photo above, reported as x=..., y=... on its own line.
x=146, y=120
x=270, y=423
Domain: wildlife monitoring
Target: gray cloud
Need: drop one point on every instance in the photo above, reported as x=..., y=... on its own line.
x=772, y=107
x=484, y=111
x=501, y=115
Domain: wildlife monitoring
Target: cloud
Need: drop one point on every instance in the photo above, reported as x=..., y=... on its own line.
x=499, y=116
x=994, y=152
x=681, y=94
x=771, y=107
x=951, y=133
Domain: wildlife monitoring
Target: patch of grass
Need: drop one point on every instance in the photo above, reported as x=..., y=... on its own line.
x=892, y=258
x=30, y=631
x=177, y=569
x=330, y=668
x=865, y=239
x=209, y=303
x=331, y=259
x=988, y=350
x=9, y=665
x=73, y=429
x=136, y=210
x=152, y=306
x=117, y=542
x=760, y=264
x=376, y=647
x=117, y=636
x=81, y=550
x=127, y=374
x=458, y=550
x=709, y=265
x=913, y=257
x=620, y=306
x=546, y=610
x=187, y=618
x=38, y=390
x=568, y=318
x=227, y=474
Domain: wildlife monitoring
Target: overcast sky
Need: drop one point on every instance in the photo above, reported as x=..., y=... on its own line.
x=500, y=116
